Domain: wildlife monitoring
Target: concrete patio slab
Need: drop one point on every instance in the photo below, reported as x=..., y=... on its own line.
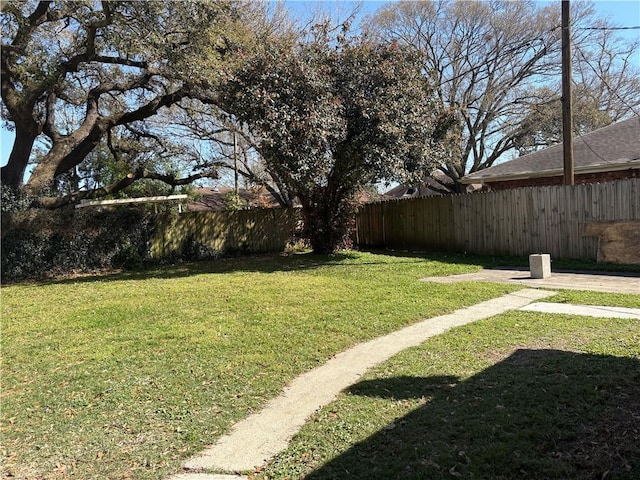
x=597, y=281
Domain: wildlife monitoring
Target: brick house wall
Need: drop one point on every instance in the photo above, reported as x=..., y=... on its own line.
x=599, y=177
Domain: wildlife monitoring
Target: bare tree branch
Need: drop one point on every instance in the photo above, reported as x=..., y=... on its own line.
x=58, y=202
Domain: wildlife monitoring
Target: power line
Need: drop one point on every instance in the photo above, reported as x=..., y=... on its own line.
x=603, y=80
x=517, y=46
x=609, y=28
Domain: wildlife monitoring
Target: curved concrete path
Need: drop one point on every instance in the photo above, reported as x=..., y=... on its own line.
x=257, y=438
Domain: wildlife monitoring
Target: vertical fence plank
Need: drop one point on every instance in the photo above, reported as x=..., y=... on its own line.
x=509, y=222
x=266, y=230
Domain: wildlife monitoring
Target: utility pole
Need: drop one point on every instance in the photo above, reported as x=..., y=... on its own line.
x=567, y=112
x=235, y=163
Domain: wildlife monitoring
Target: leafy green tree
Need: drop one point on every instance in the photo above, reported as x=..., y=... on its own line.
x=333, y=115
x=74, y=72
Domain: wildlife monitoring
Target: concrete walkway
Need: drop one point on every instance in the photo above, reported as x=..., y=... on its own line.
x=256, y=439
x=586, y=310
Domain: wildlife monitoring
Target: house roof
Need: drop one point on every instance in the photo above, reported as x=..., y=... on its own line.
x=214, y=199
x=428, y=188
x=615, y=147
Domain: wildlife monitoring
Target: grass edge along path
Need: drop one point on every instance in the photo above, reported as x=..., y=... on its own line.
x=256, y=439
x=126, y=376
x=520, y=395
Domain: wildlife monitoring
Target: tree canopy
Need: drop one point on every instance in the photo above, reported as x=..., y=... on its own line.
x=77, y=75
x=333, y=115
x=102, y=95
x=498, y=64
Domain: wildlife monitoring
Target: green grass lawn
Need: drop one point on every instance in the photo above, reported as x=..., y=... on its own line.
x=128, y=375
x=520, y=395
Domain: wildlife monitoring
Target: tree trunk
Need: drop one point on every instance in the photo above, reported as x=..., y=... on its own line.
x=328, y=221
x=43, y=175
x=12, y=173
x=64, y=156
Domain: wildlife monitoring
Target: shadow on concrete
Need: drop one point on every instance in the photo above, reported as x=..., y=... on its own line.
x=539, y=414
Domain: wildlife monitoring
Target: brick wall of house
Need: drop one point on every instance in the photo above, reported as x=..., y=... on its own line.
x=557, y=180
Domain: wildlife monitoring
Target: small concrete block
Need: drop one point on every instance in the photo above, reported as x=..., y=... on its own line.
x=540, y=265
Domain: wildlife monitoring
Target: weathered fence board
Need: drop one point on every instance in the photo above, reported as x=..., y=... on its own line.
x=509, y=222
x=264, y=230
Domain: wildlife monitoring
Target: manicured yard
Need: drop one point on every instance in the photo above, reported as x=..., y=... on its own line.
x=126, y=376
x=520, y=395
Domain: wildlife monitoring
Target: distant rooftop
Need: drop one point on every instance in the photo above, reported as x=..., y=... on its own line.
x=615, y=147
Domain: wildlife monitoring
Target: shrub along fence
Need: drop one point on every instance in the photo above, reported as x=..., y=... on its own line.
x=38, y=244
x=510, y=222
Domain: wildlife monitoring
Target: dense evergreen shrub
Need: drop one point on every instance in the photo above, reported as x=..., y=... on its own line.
x=196, y=251
x=13, y=199
x=38, y=244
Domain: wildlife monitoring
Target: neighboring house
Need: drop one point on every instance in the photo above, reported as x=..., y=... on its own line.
x=428, y=188
x=219, y=198
x=216, y=199
x=606, y=154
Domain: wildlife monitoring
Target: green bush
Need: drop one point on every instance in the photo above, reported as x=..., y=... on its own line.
x=38, y=244
x=128, y=257
x=195, y=251
x=13, y=200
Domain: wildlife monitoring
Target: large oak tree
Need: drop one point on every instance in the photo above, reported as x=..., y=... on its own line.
x=79, y=74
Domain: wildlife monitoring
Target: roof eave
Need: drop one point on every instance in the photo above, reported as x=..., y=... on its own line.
x=600, y=168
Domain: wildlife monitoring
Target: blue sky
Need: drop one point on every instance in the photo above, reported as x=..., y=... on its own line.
x=620, y=12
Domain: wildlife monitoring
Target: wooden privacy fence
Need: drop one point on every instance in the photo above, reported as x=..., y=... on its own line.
x=264, y=230
x=510, y=222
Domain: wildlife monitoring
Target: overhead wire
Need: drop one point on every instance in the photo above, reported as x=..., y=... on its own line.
x=609, y=28
x=520, y=45
x=606, y=83
x=581, y=135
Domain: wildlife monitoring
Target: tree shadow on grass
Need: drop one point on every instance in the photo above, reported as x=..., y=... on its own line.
x=260, y=263
x=560, y=265
x=271, y=263
x=485, y=261
x=540, y=414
